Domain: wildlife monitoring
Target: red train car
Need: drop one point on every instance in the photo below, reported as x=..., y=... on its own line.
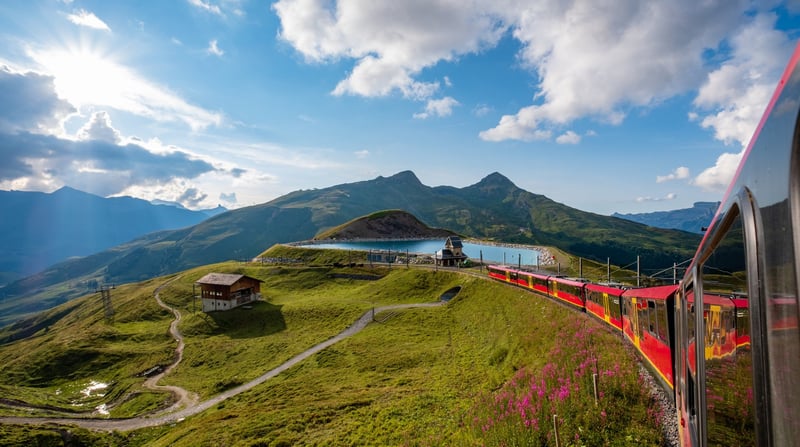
x=647, y=321
x=605, y=303
x=567, y=290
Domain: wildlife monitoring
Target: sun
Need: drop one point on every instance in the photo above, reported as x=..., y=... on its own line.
x=84, y=76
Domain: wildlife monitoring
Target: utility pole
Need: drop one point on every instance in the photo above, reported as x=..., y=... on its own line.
x=608, y=269
x=105, y=294
x=580, y=267
x=638, y=273
x=674, y=273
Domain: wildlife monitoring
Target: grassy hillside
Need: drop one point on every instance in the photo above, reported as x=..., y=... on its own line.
x=418, y=377
x=386, y=224
x=493, y=209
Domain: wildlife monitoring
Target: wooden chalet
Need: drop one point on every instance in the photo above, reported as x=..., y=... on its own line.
x=224, y=291
x=452, y=254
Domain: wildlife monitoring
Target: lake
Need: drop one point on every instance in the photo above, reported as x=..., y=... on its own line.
x=491, y=253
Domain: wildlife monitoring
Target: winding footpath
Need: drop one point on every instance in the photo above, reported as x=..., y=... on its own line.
x=187, y=403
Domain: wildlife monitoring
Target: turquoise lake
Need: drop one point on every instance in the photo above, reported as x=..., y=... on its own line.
x=491, y=253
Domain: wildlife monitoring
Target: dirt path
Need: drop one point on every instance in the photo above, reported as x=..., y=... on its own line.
x=188, y=400
x=185, y=399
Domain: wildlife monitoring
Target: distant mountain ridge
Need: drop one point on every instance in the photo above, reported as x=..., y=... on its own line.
x=493, y=209
x=40, y=229
x=692, y=219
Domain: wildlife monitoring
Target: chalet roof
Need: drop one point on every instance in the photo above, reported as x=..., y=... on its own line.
x=454, y=241
x=222, y=279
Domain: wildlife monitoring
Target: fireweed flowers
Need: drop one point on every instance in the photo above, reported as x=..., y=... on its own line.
x=521, y=411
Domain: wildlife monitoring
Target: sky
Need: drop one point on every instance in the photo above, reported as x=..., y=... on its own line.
x=603, y=105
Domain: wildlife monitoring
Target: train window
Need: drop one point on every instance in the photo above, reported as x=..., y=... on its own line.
x=614, y=300
x=730, y=415
x=651, y=314
x=661, y=309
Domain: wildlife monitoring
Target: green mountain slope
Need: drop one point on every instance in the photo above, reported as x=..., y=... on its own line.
x=493, y=208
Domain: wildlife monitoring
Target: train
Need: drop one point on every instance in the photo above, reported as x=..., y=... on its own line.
x=724, y=341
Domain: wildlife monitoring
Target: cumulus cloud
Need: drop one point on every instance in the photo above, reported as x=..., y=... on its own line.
x=568, y=137
x=591, y=58
x=390, y=42
x=97, y=160
x=192, y=197
x=596, y=60
x=206, y=6
x=438, y=107
x=30, y=102
x=213, y=48
x=734, y=97
x=229, y=198
x=670, y=196
x=679, y=173
x=87, y=19
x=99, y=167
x=738, y=91
x=99, y=128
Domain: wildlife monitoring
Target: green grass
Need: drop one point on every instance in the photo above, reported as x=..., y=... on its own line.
x=417, y=378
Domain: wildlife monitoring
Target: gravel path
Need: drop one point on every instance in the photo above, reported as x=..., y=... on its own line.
x=188, y=400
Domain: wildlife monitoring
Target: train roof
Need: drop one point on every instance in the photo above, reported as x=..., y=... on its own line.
x=658, y=292
x=567, y=281
x=616, y=291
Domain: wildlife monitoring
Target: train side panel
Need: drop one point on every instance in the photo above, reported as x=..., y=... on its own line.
x=647, y=321
x=605, y=303
x=568, y=291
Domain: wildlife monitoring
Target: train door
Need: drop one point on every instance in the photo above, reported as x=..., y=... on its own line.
x=606, y=308
x=727, y=410
x=634, y=316
x=686, y=363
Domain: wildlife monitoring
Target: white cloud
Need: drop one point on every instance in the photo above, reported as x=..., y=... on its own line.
x=30, y=103
x=87, y=19
x=568, y=137
x=391, y=42
x=596, y=60
x=214, y=49
x=85, y=78
x=99, y=128
x=362, y=153
x=229, y=198
x=679, y=173
x=438, y=107
x=734, y=97
x=738, y=92
x=481, y=110
x=206, y=6
x=717, y=177
x=670, y=196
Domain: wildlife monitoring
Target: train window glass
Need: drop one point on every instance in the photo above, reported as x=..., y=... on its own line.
x=614, y=307
x=730, y=415
x=644, y=320
x=651, y=314
x=661, y=309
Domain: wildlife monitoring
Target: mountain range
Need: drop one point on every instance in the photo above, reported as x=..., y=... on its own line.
x=41, y=229
x=492, y=209
x=692, y=219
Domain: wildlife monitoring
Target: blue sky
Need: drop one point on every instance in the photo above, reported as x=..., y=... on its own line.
x=603, y=105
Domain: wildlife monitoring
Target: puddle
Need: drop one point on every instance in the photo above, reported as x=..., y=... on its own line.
x=450, y=294
x=102, y=409
x=93, y=386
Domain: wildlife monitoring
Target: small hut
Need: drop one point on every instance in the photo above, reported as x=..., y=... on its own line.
x=452, y=254
x=225, y=291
